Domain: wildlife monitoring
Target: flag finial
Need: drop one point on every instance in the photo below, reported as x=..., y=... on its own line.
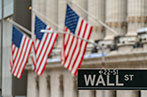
x=30, y=8
x=8, y=19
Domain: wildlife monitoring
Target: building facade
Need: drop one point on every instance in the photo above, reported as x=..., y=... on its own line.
x=124, y=16
x=5, y=45
x=9, y=85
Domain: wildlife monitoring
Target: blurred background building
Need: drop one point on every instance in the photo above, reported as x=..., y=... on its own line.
x=125, y=49
x=9, y=85
x=5, y=36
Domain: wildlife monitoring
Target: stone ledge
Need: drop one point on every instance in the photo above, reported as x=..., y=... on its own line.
x=114, y=60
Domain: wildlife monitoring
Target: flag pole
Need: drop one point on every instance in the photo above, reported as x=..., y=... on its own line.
x=99, y=21
x=93, y=18
x=20, y=26
x=42, y=16
x=60, y=32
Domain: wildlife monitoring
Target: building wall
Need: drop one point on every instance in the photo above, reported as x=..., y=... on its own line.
x=137, y=16
x=97, y=9
x=22, y=15
x=8, y=87
x=6, y=75
x=0, y=62
x=116, y=16
x=57, y=81
x=8, y=10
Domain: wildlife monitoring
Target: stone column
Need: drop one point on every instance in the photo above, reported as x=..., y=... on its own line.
x=55, y=84
x=42, y=6
x=33, y=85
x=35, y=6
x=97, y=9
x=75, y=87
x=99, y=93
x=52, y=12
x=52, y=15
x=43, y=86
x=109, y=93
x=61, y=13
x=70, y=87
x=145, y=9
x=136, y=20
x=7, y=80
x=61, y=19
x=85, y=93
x=116, y=15
x=137, y=16
x=92, y=93
x=83, y=4
x=41, y=9
x=143, y=93
x=124, y=93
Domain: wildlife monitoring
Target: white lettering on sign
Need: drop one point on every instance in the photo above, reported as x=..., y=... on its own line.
x=89, y=80
x=128, y=77
x=108, y=81
x=117, y=81
x=97, y=80
x=100, y=81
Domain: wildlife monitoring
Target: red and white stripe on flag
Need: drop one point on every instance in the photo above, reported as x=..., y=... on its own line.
x=20, y=56
x=43, y=49
x=73, y=48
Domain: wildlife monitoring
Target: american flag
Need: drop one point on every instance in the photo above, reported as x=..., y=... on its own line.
x=73, y=48
x=44, y=44
x=21, y=48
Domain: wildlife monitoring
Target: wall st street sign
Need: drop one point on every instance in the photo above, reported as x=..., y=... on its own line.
x=112, y=79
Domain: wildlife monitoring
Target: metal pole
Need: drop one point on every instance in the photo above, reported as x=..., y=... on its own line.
x=2, y=18
x=21, y=27
x=103, y=56
x=99, y=21
x=43, y=16
x=95, y=44
x=60, y=28
x=93, y=18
